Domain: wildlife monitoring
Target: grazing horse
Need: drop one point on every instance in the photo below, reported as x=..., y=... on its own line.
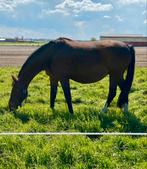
x=85, y=62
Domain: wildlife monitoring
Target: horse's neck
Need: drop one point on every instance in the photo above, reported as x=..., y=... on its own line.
x=33, y=66
x=29, y=72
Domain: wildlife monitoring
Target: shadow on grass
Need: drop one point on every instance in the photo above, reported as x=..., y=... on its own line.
x=128, y=122
x=133, y=124
x=86, y=120
x=3, y=110
x=41, y=117
x=22, y=116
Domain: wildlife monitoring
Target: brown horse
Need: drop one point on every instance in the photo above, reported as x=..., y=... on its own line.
x=84, y=62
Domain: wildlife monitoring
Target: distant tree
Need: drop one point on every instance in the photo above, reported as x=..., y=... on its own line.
x=93, y=39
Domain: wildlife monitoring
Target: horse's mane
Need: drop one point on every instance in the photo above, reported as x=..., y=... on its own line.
x=32, y=57
x=63, y=38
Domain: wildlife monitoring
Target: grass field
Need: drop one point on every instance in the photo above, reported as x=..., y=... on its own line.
x=73, y=151
x=33, y=43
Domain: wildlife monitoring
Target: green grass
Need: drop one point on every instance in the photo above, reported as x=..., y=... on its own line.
x=22, y=43
x=73, y=151
x=76, y=152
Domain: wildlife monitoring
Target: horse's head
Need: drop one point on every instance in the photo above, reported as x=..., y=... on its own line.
x=18, y=94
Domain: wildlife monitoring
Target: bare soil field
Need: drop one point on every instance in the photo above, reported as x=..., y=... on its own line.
x=16, y=55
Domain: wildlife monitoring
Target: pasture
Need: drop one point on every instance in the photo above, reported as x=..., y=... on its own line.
x=73, y=151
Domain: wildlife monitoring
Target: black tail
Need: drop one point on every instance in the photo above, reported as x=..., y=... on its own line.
x=131, y=69
x=123, y=98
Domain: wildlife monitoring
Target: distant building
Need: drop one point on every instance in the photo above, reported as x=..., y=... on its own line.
x=135, y=40
x=10, y=40
x=7, y=40
x=2, y=39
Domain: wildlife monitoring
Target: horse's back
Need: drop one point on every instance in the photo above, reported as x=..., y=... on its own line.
x=83, y=51
x=100, y=44
x=91, y=60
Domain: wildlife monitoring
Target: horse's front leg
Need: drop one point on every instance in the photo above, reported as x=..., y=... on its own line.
x=66, y=89
x=53, y=91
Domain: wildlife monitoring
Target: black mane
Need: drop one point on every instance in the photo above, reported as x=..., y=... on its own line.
x=33, y=56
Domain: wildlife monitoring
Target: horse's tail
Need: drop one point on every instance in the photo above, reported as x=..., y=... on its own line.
x=131, y=69
x=123, y=98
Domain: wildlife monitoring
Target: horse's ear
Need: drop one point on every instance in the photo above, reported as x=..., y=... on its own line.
x=14, y=79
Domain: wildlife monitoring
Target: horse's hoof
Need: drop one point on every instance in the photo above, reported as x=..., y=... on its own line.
x=53, y=110
x=71, y=115
x=125, y=107
x=104, y=110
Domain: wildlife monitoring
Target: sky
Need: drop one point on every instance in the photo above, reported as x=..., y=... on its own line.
x=76, y=19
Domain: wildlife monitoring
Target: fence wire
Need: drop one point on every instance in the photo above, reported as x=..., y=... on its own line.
x=72, y=133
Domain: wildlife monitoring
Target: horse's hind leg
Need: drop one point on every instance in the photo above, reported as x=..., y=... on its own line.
x=53, y=92
x=66, y=89
x=123, y=97
x=112, y=92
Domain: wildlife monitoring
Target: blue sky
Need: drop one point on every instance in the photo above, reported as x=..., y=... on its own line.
x=77, y=19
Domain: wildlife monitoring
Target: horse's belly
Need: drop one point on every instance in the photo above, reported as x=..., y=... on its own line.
x=89, y=76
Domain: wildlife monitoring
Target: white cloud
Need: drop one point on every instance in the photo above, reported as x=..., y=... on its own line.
x=107, y=16
x=49, y=12
x=119, y=18
x=144, y=12
x=145, y=21
x=80, y=24
x=73, y=6
x=128, y=2
x=10, y=5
